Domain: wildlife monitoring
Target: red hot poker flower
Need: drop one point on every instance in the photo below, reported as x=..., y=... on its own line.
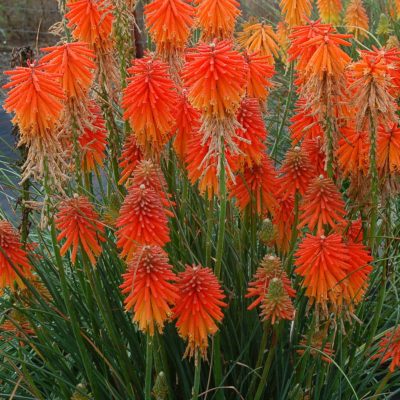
x=13, y=259
x=149, y=289
x=198, y=307
x=142, y=220
x=322, y=205
x=130, y=157
x=75, y=63
x=149, y=102
x=36, y=99
x=79, y=224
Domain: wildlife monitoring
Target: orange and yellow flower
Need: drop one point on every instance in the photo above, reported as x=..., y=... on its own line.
x=149, y=287
x=36, y=98
x=356, y=19
x=14, y=262
x=217, y=18
x=296, y=11
x=283, y=220
x=91, y=21
x=142, y=220
x=75, y=64
x=215, y=75
x=149, y=102
x=329, y=10
x=259, y=72
x=198, y=307
x=169, y=23
x=323, y=261
x=79, y=224
x=259, y=38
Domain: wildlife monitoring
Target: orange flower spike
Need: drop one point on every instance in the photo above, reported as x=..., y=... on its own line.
x=388, y=149
x=253, y=131
x=217, y=18
x=149, y=289
x=259, y=72
x=296, y=172
x=296, y=11
x=389, y=349
x=149, y=174
x=258, y=182
x=91, y=21
x=270, y=267
x=328, y=57
x=356, y=19
x=149, y=102
x=259, y=38
x=169, y=23
x=198, y=307
x=277, y=304
x=215, y=76
x=353, y=151
x=187, y=121
x=322, y=205
x=36, y=99
x=131, y=155
x=13, y=258
x=79, y=224
x=330, y=10
x=282, y=33
x=75, y=63
x=142, y=220
x=323, y=261
x=93, y=140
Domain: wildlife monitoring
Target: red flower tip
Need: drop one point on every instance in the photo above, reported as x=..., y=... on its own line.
x=142, y=220
x=198, y=307
x=148, y=287
x=14, y=262
x=79, y=224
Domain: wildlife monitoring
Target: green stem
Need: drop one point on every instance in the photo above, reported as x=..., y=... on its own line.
x=374, y=186
x=197, y=374
x=149, y=367
x=382, y=384
x=260, y=357
x=210, y=213
x=217, y=271
x=266, y=369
